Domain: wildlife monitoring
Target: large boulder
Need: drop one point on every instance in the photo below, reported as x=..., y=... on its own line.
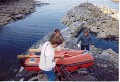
x=106, y=65
x=76, y=27
x=100, y=20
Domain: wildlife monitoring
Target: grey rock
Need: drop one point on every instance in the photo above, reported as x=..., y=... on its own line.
x=39, y=3
x=106, y=64
x=19, y=16
x=77, y=27
x=100, y=20
x=15, y=10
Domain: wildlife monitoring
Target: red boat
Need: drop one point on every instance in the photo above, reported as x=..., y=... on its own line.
x=72, y=61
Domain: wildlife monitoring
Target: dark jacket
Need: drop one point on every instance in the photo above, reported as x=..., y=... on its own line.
x=85, y=40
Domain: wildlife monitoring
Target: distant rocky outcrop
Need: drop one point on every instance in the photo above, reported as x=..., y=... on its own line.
x=14, y=10
x=100, y=20
x=115, y=0
x=39, y=3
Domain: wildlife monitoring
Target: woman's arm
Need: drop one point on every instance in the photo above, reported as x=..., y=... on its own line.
x=91, y=41
x=79, y=39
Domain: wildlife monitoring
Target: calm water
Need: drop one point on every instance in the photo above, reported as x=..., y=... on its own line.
x=19, y=36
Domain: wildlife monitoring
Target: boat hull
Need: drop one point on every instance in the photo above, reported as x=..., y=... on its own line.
x=71, y=62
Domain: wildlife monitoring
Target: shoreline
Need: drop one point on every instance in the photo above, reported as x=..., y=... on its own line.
x=17, y=10
x=98, y=53
x=106, y=60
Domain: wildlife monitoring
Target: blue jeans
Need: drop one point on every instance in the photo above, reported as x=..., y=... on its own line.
x=50, y=75
x=85, y=46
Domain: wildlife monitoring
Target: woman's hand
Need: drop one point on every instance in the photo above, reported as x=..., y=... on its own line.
x=78, y=45
x=61, y=57
x=56, y=59
x=92, y=46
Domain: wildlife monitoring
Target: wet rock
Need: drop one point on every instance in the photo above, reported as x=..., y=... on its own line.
x=38, y=3
x=100, y=20
x=106, y=64
x=19, y=16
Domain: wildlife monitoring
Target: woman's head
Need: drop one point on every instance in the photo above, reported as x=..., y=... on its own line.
x=86, y=32
x=55, y=40
x=57, y=32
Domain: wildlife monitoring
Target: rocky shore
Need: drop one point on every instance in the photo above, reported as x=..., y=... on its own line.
x=106, y=65
x=87, y=15
x=16, y=9
x=104, y=23
x=105, y=68
x=100, y=20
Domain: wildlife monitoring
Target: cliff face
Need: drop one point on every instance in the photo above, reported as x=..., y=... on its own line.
x=100, y=20
x=14, y=9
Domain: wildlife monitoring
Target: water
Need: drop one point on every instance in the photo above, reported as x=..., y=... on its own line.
x=105, y=44
x=19, y=36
